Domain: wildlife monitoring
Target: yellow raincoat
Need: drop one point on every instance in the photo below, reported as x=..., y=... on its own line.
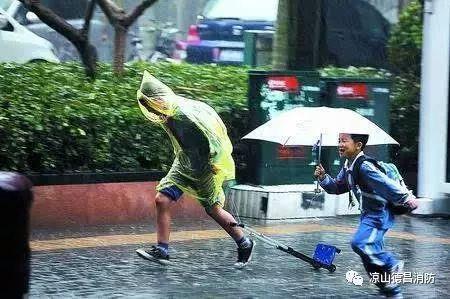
x=191, y=126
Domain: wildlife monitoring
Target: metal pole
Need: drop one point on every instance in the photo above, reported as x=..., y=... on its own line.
x=318, y=163
x=434, y=102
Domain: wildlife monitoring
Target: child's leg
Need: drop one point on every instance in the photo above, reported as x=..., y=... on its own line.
x=245, y=244
x=368, y=244
x=163, y=204
x=164, y=200
x=214, y=208
x=223, y=218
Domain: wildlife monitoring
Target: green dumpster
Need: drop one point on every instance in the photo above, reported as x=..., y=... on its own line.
x=271, y=93
x=370, y=98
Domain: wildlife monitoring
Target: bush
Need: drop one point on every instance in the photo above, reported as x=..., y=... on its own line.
x=405, y=48
x=355, y=72
x=52, y=120
x=405, y=43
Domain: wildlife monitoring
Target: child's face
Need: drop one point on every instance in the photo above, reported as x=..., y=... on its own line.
x=347, y=147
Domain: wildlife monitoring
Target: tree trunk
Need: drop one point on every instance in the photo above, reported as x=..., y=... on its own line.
x=121, y=23
x=120, y=40
x=299, y=38
x=280, y=47
x=304, y=51
x=88, y=54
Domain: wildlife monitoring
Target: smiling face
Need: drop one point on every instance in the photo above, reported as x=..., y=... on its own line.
x=347, y=147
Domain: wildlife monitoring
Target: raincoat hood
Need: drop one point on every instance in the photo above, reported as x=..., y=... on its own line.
x=155, y=99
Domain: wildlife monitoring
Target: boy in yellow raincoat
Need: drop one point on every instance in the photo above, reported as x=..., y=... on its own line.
x=203, y=163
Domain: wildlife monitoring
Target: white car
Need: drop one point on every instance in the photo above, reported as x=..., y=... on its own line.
x=18, y=44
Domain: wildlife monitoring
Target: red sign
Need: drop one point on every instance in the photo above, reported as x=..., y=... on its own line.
x=352, y=91
x=291, y=152
x=283, y=83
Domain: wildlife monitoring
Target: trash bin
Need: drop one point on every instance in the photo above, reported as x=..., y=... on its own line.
x=271, y=93
x=368, y=97
x=15, y=203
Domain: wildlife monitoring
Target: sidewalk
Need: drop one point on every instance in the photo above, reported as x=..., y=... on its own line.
x=101, y=261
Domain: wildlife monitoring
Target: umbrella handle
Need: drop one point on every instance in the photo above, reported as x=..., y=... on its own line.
x=317, y=190
x=320, y=149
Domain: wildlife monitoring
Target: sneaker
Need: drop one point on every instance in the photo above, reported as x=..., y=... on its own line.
x=155, y=254
x=244, y=255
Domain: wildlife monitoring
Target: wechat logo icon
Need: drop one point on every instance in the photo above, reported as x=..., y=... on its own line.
x=353, y=277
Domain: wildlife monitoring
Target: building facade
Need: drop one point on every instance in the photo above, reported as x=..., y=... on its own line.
x=434, y=139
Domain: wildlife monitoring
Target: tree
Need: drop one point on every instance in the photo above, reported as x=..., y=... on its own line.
x=405, y=56
x=298, y=37
x=78, y=37
x=405, y=43
x=121, y=21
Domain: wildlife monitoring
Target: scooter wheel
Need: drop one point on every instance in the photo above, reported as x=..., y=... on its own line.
x=332, y=268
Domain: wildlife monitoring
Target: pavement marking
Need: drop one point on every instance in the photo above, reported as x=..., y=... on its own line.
x=179, y=236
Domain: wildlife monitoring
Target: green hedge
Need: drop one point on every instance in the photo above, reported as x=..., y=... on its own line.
x=53, y=120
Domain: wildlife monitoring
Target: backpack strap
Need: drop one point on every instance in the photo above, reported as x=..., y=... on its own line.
x=357, y=167
x=355, y=173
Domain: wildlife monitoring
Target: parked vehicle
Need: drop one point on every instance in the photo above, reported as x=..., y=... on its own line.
x=356, y=33
x=18, y=44
x=218, y=35
x=164, y=43
x=101, y=32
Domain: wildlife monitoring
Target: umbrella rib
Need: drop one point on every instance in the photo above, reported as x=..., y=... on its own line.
x=284, y=144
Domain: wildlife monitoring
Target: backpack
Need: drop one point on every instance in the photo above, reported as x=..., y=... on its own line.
x=391, y=171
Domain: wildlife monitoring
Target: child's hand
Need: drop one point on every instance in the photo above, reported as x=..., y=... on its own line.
x=319, y=172
x=412, y=203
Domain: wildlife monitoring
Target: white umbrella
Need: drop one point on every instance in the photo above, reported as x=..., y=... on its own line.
x=318, y=126
x=307, y=125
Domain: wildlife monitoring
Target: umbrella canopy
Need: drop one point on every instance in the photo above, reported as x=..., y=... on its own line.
x=306, y=125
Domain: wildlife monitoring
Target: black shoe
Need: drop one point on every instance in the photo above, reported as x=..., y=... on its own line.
x=155, y=254
x=244, y=255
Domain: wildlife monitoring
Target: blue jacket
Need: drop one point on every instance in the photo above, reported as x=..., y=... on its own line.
x=373, y=198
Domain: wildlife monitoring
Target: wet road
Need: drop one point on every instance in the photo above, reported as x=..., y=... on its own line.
x=99, y=262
